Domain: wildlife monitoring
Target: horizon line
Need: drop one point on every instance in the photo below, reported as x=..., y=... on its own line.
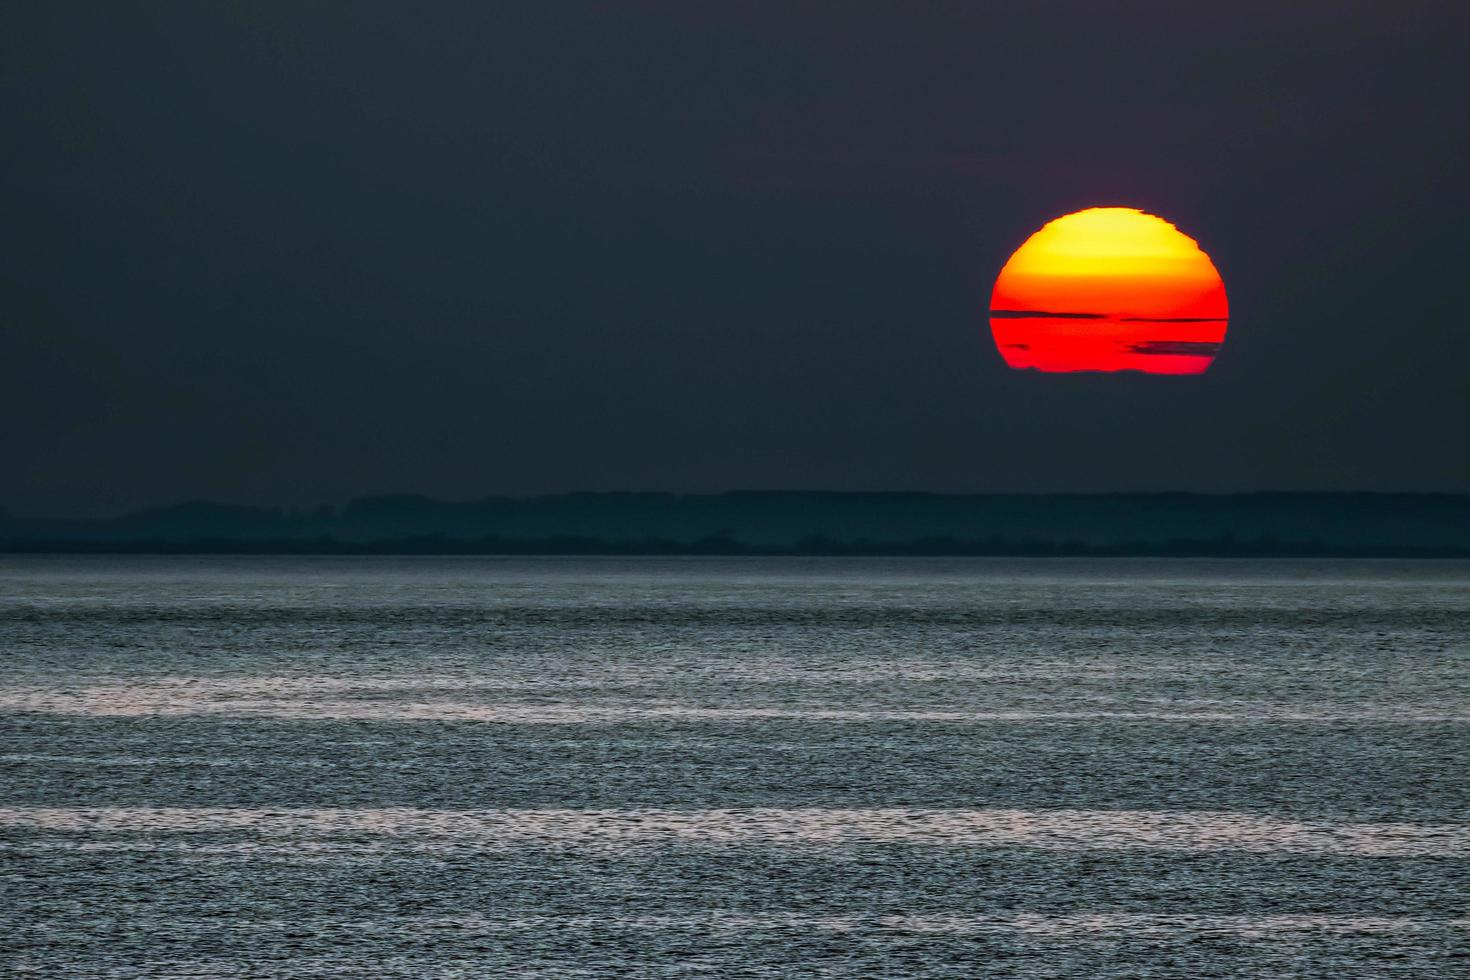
x=7, y=515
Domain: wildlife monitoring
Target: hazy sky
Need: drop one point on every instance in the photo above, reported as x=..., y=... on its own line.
x=293, y=252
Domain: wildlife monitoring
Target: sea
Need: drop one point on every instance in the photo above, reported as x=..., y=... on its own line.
x=569, y=767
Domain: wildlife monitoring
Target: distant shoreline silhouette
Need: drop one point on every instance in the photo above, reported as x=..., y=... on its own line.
x=778, y=523
x=590, y=547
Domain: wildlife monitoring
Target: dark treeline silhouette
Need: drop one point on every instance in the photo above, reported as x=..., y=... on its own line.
x=815, y=547
x=780, y=523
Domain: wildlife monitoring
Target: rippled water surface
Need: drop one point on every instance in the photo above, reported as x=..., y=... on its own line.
x=317, y=767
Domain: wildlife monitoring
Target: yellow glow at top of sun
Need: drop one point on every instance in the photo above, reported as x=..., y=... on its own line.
x=1111, y=242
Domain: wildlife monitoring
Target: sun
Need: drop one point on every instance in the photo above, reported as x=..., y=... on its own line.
x=1109, y=289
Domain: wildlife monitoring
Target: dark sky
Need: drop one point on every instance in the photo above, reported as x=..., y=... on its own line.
x=294, y=252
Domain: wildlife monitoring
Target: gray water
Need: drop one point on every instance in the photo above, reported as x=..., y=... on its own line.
x=318, y=767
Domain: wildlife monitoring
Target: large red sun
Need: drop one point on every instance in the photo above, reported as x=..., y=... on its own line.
x=1109, y=289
